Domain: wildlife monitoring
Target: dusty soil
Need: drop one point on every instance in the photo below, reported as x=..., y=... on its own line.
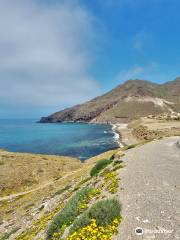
x=148, y=129
x=150, y=191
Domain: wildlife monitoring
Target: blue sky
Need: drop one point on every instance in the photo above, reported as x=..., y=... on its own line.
x=54, y=54
x=142, y=40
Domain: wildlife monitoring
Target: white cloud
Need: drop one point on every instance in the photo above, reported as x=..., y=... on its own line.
x=132, y=72
x=140, y=40
x=137, y=71
x=45, y=53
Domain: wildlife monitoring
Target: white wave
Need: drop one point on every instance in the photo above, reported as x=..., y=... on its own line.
x=116, y=135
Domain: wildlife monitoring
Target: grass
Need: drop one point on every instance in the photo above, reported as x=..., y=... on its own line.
x=99, y=166
x=38, y=225
x=60, y=191
x=78, y=186
x=57, y=166
x=117, y=167
x=1, y=162
x=45, y=168
x=104, y=212
x=105, y=155
x=113, y=156
x=111, y=182
x=116, y=162
x=7, y=235
x=135, y=145
x=69, y=213
x=129, y=146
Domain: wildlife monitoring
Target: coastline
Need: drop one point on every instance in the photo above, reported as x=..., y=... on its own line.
x=123, y=134
x=117, y=134
x=79, y=140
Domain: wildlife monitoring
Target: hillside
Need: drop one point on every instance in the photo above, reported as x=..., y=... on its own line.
x=30, y=200
x=131, y=100
x=99, y=200
x=23, y=171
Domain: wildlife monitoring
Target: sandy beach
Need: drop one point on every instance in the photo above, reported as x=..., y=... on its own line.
x=123, y=134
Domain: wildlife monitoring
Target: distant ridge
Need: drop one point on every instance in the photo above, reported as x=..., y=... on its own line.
x=128, y=101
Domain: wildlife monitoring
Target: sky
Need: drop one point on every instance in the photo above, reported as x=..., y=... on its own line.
x=57, y=53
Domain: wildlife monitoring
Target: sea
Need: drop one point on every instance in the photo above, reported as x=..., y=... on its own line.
x=78, y=140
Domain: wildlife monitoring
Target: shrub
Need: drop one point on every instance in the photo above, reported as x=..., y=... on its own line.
x=60, y=191
x=113, y=157
x=85, y=180
x=131, y=146
x=96, y=232
x=104, y=212
x=99, y=166
x=111, y=181
x=69, y=213
x=6, y=236
x=117, y=162
x=117, y=167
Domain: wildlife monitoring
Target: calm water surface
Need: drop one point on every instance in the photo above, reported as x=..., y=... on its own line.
x=69, y=139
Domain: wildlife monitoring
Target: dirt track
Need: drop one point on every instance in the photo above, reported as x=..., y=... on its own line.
x=150, y=193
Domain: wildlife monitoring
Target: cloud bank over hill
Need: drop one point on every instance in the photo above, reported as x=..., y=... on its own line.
x=46, y=52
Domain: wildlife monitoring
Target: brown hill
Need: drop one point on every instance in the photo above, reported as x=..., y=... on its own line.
x=23, y=171
x=131, y=100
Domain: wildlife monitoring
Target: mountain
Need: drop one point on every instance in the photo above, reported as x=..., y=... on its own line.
x=131, y=100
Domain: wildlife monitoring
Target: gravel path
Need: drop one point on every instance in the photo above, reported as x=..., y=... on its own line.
x=150, y=191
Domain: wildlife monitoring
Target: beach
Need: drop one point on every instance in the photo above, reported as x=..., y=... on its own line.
x=123, y=134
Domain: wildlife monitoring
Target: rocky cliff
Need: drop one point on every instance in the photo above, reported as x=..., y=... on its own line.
x=131, y=100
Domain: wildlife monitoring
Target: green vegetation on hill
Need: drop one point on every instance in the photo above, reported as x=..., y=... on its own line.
x=104, y=212
x=100, y=165
x=84, y=211
x=69, y=208
x=69, y=213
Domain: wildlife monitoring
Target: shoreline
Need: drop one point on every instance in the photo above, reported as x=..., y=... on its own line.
x=123, y=134
x=118, y=134
x=112, y=141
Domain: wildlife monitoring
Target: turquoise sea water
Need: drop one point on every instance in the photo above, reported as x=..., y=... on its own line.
x=69, y=139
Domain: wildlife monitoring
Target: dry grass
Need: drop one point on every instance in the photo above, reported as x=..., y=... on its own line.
x=22, y=172
x=24, y=206
x=105, y=155
x=148, y=129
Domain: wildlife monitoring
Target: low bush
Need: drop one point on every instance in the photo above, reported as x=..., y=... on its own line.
x=113, y=157
x=85, y=180
x=69, y=212
x=130, y=146
x=60, y=191
x=99, y=166
x=116, y=167
x=104, y=212
x=96, y=232
x=111, y=182
x=6, y=236
x=116, y=162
